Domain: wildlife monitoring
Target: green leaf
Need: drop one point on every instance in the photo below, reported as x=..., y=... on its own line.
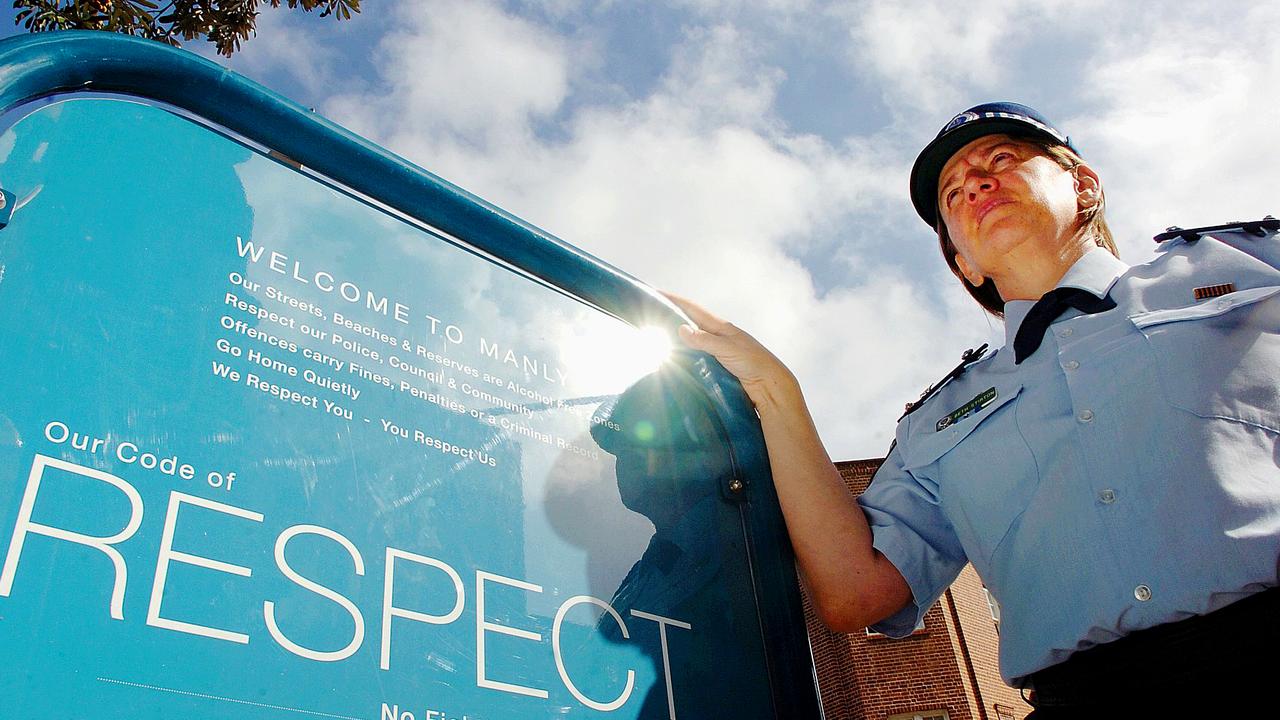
x=225, y=23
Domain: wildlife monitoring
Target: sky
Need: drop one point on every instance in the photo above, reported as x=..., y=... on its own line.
x=754, y=156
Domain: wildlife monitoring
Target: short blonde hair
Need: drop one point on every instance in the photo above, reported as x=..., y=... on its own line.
x=1091, y=222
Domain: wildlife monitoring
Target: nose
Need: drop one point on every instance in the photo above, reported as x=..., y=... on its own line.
x=977, y=184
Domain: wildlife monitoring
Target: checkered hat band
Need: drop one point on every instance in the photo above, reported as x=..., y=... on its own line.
x=968, y=117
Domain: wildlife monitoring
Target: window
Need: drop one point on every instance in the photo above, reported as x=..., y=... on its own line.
x=992, y=605
x=918, y=629
x=921, y=715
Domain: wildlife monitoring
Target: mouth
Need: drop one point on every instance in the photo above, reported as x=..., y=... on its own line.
x=985, y=208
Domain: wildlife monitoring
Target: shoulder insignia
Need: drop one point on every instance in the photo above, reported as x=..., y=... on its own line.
x=1254, y=227
x=968, y=358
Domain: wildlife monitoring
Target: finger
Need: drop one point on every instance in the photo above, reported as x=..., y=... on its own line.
x=700, y=315
x=689, y=336
x=693, y=337
x=710, y=343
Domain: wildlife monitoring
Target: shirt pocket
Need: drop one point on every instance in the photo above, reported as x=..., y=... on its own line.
x=983, y=469
x=1219, y=358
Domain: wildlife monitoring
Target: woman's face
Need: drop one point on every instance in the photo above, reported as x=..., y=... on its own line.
x=1004, y=204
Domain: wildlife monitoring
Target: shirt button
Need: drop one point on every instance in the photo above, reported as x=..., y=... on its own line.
x=1066, y=332
x=1085, y=415
x=1142, y=592
x=1107, y=496
x=1071, y=364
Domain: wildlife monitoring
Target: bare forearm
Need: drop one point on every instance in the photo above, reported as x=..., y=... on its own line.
x=851, y=583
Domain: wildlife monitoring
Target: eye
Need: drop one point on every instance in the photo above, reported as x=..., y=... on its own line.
x=1002, y=157
x=951, y=195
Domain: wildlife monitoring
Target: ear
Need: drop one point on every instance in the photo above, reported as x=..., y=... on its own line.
x=1088, y=186
x=969, y=272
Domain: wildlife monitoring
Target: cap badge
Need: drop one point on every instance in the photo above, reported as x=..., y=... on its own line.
x=959, y=120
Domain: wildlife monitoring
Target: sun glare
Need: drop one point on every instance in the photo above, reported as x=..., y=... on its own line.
x=607, y=360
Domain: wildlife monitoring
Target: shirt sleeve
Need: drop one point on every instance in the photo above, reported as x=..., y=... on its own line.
x=909, y=528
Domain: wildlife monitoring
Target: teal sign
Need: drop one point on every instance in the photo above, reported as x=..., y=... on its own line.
x=273, y=448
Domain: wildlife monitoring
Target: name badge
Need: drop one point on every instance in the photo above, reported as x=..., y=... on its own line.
x=983, y=399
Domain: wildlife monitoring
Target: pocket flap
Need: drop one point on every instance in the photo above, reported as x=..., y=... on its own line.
x=928, y=442
x=1214, y=307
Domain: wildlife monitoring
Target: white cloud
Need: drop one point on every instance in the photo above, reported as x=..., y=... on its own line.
x=719, y=8
x=698, y=188
x=1173, y=106
x=698, y=185
x=930, y=54
x=461, y=72
x=1186, y=130
x=716, y=78
x=286, y=44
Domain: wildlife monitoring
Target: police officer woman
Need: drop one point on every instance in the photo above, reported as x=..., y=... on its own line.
x=1111, y=472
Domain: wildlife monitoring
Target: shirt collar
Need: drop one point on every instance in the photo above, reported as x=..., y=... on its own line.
x=1095, y=272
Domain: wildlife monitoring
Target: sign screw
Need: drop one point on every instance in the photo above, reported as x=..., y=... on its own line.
x=7, y=204
x=736, y=485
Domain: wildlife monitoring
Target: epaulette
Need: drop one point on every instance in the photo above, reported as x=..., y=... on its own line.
x=1254, y=227
x=969, y=357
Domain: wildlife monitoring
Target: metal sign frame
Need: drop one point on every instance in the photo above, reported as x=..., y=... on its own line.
x=66, y=63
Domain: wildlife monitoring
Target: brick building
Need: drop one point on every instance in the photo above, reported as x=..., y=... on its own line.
x=945, y=671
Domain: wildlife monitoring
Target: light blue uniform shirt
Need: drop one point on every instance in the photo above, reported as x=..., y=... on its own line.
x=1123, y=476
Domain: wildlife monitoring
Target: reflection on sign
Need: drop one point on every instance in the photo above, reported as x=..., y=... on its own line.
x=269, y=452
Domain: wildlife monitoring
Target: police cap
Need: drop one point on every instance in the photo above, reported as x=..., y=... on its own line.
x=980, y=120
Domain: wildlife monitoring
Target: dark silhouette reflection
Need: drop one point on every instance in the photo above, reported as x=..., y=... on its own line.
x=687, y=601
